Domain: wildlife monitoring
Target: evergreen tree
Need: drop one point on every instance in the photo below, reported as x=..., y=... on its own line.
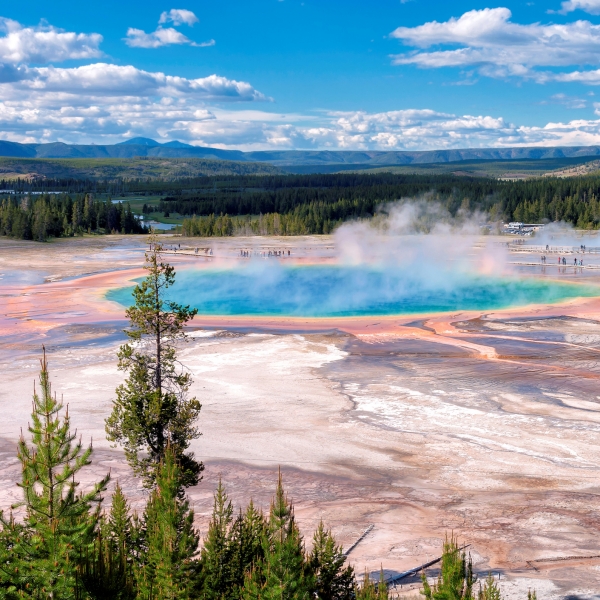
x=490, y=590
x=152, y=409
x=168, y=569
x=42, y=556
x=455, y=581
x=107, y=572
x=283, y=574
x=249, y=531
x=371, y=591
x=216, y=557
x=333, y=581
x=119, y=526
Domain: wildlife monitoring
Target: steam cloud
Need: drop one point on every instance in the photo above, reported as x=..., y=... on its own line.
x=423, y=239
x=413, y=257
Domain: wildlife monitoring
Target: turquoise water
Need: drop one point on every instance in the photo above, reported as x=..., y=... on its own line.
x=336, y=291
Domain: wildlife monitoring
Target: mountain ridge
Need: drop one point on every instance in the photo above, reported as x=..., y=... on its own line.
x=145, y=147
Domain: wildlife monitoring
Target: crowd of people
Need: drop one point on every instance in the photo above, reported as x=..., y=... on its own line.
x=562, y=260
x=244, y=253
x=265, y=253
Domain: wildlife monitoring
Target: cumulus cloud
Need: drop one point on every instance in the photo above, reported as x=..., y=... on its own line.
x=102, y=79
x=589, y=6
x=395, y=130
x=109, y=103
x=587, y=77
x=166, y=36
x=162, y=36
x=137, y=38
x=491, y=41
x=102, y=102
x=178, y=16
x=408, y=130
x=44, y=44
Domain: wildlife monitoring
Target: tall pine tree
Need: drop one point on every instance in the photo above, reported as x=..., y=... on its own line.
x=42, y=556
x=152, y=409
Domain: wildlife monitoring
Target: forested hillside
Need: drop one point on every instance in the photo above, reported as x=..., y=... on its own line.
x=48, y=216
x=285, y=204
x=318, y=203
x=140, y=168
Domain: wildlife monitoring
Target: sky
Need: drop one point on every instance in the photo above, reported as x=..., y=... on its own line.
x=302, y=74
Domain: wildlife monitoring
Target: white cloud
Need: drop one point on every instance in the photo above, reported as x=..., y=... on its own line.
x=137, y=38
x=572, y=102
x=587, y=77
x=106, y=102
x=59, y=112
x=44, y=44
x=103, y=102
x=178, y=16
x=407, y=130
x=490, y=41
x=101, y=79
x=166, y=36
x=589, y=6
x=396, y=130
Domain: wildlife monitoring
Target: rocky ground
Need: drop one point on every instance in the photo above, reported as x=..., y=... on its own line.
x=487, y=425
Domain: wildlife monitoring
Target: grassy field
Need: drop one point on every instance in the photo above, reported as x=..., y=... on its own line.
x=137, y=205
x=127, y=168
x=486, y=168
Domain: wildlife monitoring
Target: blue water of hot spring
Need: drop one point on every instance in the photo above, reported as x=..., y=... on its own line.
x=344, y=291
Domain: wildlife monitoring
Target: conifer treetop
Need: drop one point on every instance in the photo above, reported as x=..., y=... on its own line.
x=152, y=409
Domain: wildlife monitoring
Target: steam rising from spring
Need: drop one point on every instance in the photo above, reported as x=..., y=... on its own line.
x=423, y=239
x=412, y=258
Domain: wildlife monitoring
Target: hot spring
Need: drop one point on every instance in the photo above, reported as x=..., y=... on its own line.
x=352, y=291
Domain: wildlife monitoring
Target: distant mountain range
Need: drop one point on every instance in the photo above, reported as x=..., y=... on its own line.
x=145, y=147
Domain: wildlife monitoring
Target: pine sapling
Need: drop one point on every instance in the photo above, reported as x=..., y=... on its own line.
x=60, y=523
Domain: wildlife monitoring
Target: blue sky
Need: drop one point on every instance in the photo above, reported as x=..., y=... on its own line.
x=270, y=74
